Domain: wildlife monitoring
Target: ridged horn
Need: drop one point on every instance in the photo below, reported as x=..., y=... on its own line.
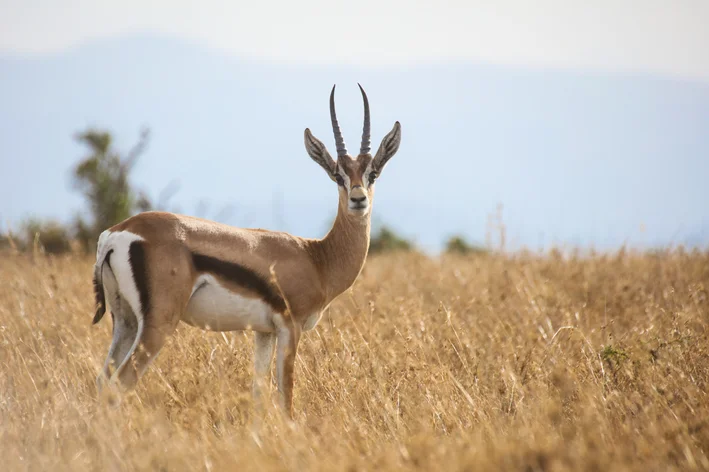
x=365, y=147
x=339, y=141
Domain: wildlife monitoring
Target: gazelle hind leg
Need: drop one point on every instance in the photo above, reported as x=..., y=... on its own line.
x=151, y=342
x=162, y=283
x=157, y=326
x=125, y=329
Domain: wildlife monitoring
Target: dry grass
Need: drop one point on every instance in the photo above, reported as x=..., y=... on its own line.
x=496, y=363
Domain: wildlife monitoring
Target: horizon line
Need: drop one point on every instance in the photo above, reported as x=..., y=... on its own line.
x=381, y=65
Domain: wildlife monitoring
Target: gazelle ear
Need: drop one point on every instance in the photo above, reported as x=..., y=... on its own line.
x=318, y=152
x=389, y=146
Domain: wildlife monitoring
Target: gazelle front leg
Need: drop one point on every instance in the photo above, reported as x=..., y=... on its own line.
x=288, y=335
x=264, y=344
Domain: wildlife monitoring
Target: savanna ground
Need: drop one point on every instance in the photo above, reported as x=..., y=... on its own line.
x=520, y=362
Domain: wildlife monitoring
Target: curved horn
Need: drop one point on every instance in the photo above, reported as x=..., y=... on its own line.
x=339, y=141
x=365, y=147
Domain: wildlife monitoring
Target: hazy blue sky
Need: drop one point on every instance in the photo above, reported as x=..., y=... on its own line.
x=587, y=120
x=658, y=36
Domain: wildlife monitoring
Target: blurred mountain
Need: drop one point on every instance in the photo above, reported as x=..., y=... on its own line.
x=576, y=157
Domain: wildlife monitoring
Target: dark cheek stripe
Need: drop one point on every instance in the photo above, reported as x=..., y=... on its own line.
x=241, y=276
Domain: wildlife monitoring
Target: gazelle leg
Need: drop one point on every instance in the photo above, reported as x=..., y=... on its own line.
x=151, y=342
x=125, y=329
x=163, y=283
x=264, y=344
x=288, y=337
x=263, y=355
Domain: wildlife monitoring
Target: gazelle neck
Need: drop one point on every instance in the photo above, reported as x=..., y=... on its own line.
x=343, y=251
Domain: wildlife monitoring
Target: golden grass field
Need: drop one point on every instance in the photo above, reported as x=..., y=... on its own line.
x=521, y=362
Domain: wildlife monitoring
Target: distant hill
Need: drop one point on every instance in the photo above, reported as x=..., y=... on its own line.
x=575, y=157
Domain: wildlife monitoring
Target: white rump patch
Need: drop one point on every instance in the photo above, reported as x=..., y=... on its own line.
x=120, y=242
x=216, y=308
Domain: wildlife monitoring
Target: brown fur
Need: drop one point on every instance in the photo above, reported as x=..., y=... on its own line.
x=310, y=273
x=355, y=168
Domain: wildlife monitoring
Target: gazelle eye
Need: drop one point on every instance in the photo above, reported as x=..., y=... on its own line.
x=340, y=181
x=372, y=177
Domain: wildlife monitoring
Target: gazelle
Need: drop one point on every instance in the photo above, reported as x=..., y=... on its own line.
x=155, y=269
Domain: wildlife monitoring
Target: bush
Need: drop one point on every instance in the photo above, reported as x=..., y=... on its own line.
x=51, y=236
x=458, y=245
x=5, y=241
x=387, y=240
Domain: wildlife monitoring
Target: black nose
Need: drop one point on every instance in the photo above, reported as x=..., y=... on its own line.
x=358, y=200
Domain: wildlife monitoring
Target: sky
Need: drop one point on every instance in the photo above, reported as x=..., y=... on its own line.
x=586, y=120
x=668, y=38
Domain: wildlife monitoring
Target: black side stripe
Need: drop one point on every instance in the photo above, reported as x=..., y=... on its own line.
x=136, y=257
x=241, y=276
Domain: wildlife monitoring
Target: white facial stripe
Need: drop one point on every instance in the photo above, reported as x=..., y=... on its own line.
x=365, y=176
x=345, y=177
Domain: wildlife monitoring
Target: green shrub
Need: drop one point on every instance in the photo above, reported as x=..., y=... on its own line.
x=49, y=236
x=5, y=241
x=458, y=245
x=386, y=240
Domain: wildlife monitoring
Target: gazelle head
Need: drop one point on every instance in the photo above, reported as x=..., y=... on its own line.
x=355, y=176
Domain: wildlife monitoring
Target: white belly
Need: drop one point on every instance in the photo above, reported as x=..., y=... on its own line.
x=215, y=308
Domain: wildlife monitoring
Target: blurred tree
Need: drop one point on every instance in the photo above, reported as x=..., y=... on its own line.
x=386, y=240
x=458, y=245
x=5, y=241
x=50, y=237
x=102, y=177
